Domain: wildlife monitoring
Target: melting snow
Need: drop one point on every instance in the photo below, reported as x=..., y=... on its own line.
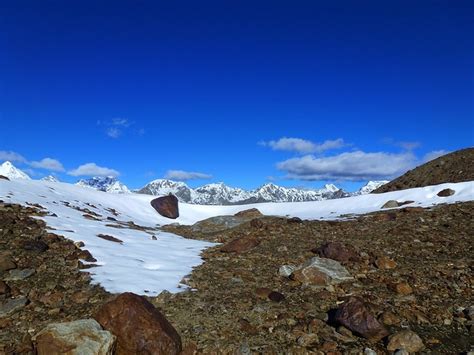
x=146, y=266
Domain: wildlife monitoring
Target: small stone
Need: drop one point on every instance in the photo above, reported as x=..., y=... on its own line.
x=19, y=274
x=385, y=263
x=286, y=270
x=276, y=296
x=391, y=204
x=240, y=245
x=12, y=305
x=6, y=262
x=308, y=340
x=79, y=244
x=263, y=292
x=389, y=318
x=446, y=193
x=37, y=246
x=369, y=351
x=407, y=340
x=402, y=288
x=4, y=288
x=336, y=251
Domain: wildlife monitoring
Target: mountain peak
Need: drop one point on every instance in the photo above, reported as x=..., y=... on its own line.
x=10, y=171
x=104, y=183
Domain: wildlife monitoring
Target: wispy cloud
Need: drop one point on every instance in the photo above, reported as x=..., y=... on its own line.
x=406, y=145
x=434, y=154
x=116, y=127
x=92, y=169
x=48, y=164
x=113, y=132
x=11, y=156
x=349, y=166
x=303, y=146
x=182, y=175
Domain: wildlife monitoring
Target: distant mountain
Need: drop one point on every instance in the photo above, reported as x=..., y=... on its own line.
x=221, y=194
x=50, y=178
x=106, y=184
x=369, y=187
x=10, y=171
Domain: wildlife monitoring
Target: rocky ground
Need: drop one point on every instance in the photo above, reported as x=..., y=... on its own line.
x=401, y=272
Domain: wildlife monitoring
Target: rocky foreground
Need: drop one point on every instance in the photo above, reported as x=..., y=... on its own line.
x=389, y=282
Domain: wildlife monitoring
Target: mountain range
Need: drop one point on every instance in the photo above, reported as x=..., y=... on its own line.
x=210, y=194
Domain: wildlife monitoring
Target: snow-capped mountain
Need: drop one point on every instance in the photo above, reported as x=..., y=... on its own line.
x=105, y=183
x=369, y=187
x=50, y=178
x=10, y=171
x=221, y=194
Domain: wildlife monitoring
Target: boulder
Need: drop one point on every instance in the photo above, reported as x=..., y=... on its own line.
x=167, y=206
x=240, y=245
x=79, y=337
x=446, y=193
x=385, y=263
x=354, y=315
x=336, y=251
x=391, y=204
x=12, y=305
x=249, y=214
x=139, y=327
x=4, y=178
x=405, y=340
x=321, y=271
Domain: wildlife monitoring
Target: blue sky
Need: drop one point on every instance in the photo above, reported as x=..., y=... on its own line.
x=299, y=93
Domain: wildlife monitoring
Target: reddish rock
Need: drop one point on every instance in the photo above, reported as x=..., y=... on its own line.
x=250, y=213
x=336, y=251
x=167, y=206
x=4, y=288
x=385, y=263
x=311, y=276
x=139, y=327
x=446, y=193
x=354, y=315
x=240, y=245
x=402, y=288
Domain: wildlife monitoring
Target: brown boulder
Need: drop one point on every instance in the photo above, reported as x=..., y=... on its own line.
x=240, y=245
x=4, y=178
x=446, y=193
x=139, y=327
x=336, y=251
x=167, y=206
x=355, y=316
x=6, y=262
x=250, y=213
x=385, y=263
x=406, y=340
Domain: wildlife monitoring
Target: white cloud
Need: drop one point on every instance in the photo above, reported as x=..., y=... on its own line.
x=185, y=175
x=48, y=164
x=434, y=154
x=303, y=146
x=92, y=169
x=123, y=122
x=406, y=145
x=113, y=132
x=11, y=156
x=349, y=166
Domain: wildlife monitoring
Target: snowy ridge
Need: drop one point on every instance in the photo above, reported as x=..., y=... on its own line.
x=10, y=171
x=146, y=266
x=50, y=178
x=221, y=194
x=369, y=187
x=105, y=184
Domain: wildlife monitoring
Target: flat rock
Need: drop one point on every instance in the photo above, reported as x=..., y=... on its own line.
x=321, y=271
x=139, y=327
x=390, y=204
x=250, y=213
x=19, y=274
x=240, y=245
x=84, y=336
x=12, y=305
x=35, y=246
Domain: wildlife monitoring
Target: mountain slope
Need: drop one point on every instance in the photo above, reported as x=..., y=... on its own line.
x=369, y=187
x=453, y=167
x=10, y=171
